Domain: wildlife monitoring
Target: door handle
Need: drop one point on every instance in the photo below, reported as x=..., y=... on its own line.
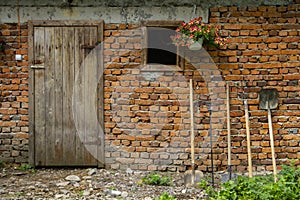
x=37, y=67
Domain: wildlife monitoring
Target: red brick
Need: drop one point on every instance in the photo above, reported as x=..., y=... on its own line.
x=252, y=46
x=232, y=26
x=8, y=111
x=22, y=123
x=251, y=53
x=282, y=46
x=143, y=90
x=242, y=46
x=296, y=52
x=22, y=99
x=252, y=40
x=273, y=77
x=290, y=39
x=264, y=59
x=233, y=77
x=272, y=46
x=292, y=77
x=126, y=137
x=162, y=90
x=21, y=136
x=254, y=33
x=227, y=53
x=145, y=138
x=271, y=52
x=234, y=33
x=272, y=40
x=5, y=32
x=7, y=124
x=271, y=14
x=252, y=65
x=251, y=26
x=232, y=59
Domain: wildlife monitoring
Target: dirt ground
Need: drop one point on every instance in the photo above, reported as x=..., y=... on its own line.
x=88, y=183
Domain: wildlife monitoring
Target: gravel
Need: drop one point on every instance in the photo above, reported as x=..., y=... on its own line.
x=89, y=183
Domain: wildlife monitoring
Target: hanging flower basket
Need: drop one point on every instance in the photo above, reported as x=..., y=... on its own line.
x=195, y=33
x=197, y=45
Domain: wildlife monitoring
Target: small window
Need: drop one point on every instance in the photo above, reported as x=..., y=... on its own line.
x=157, y=44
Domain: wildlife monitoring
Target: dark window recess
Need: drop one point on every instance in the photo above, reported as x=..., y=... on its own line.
x=160, y=48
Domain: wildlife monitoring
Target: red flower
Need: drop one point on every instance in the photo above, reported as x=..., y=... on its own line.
x=192, y=31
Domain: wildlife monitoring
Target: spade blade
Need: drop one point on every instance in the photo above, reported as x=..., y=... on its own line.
x=268, y=98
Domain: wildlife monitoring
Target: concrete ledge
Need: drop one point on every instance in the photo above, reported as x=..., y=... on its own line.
x=9, y=14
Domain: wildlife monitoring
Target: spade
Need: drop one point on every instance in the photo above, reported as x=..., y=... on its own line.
x=268, y=99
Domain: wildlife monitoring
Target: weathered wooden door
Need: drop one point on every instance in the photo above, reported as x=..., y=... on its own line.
x=66, y=112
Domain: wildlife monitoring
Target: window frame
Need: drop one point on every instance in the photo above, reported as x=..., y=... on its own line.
x=156, y=67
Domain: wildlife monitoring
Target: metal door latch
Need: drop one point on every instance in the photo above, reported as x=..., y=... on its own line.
x=37, y=67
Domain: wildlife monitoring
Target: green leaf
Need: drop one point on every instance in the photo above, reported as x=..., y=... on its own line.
x=259, y=187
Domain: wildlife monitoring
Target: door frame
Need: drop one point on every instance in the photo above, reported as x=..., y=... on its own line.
x=31, y=108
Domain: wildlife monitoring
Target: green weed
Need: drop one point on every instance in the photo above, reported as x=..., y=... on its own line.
x=156, y=179
x=19, y=193
x=165, y=196
x=2, y=164
x=26, y=167
x=112, y=188
x=259, y=187
x=81, y=193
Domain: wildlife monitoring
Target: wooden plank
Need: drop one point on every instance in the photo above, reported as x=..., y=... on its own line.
x=86, y=84
x=161, y=23
x=59, y=115
x=39, y=100
x=100, y=31
x=79, y=98
x=87, y=92
x=100, y=103
x=50, y=94
x=144, y=45
x=92, y=134
x=68, y=81
x=31, y=94
x=66, y=23
x=84, y=123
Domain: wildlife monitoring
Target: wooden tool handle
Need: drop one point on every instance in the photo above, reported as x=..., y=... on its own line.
x=272, y=144
x=192, y=132
x=248, y=139
x=228, y=125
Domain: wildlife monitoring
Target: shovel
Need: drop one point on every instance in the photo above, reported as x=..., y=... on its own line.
x=268, y=99
x=192, y=176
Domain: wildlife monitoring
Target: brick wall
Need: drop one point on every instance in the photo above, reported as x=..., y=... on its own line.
x=263, y=52
x=13, y=94
x=147, y=116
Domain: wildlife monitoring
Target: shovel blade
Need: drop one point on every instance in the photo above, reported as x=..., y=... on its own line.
x=188, y=177
x=268, y=98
